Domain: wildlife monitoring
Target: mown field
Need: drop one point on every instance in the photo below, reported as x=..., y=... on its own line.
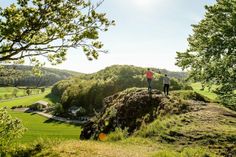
x=28, y=100
x=38, y=126
x=41, y=127
x=7, y=92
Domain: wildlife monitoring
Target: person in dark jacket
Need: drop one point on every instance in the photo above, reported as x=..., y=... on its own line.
x=166, y=84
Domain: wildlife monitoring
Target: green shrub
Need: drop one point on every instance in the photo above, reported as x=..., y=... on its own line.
x=58, y=109
x=229, y=100
x=118, y=135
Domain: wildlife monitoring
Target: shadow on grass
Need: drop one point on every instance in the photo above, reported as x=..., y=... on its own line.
x=53, y=98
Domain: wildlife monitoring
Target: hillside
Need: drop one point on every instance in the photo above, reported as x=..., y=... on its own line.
x=88, y=91
x=21, y=75
x=186, y=121
x=142, y=125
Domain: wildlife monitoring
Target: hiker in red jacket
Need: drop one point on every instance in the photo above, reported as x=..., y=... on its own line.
x=149, y=76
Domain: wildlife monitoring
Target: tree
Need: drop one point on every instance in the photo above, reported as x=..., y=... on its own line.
x=14, y=92
x=28, y=91
x=32, y=28
x=10, y=129
x=211, y=56
x=42, y=90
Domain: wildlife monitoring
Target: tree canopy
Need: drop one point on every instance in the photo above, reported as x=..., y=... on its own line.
x=32, y=28
x=211, y=56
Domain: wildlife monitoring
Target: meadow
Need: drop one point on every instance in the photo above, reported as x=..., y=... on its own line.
x=7, y=92
x=41, y=127
x=28, y=100
x=38, y=126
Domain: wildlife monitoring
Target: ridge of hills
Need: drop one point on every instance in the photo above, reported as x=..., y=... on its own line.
x=22, y=75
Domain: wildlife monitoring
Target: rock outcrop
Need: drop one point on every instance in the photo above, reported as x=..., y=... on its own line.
x=130, y=109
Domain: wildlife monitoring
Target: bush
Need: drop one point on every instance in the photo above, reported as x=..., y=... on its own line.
x=36, y=107
x=229, y=100
x=42, y=90
x=118, y=135
x=58, y=109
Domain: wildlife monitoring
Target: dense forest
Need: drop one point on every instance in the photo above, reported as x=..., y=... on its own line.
x=88, y=91
x=19, y=75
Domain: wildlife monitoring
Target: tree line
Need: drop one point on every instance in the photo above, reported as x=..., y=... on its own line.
x=19, y=75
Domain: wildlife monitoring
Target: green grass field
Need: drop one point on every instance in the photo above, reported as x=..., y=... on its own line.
x=38, y=126
x=9, y=90
x=41, y=127
x=20, y=92
x=28, y=100
x=197, y=87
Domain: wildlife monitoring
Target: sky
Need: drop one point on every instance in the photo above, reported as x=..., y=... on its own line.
x=147, y=33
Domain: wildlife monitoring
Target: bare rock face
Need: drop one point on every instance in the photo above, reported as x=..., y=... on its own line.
x=132, y=108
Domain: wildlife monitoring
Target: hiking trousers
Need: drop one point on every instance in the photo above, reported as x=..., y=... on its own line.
x=149, y=84
x=166, y=89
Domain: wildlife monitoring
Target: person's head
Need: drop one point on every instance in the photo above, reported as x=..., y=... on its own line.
x=148, y=69
x=166, y=75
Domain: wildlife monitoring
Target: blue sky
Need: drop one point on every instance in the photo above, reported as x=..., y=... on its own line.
x=147, y=33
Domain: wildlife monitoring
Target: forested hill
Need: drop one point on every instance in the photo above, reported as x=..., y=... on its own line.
x=134, y=70
x=21, y=75
x=89, y=90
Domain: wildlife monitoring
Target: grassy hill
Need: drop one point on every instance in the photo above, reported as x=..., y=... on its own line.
x=185, y=124
x=199, y=129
